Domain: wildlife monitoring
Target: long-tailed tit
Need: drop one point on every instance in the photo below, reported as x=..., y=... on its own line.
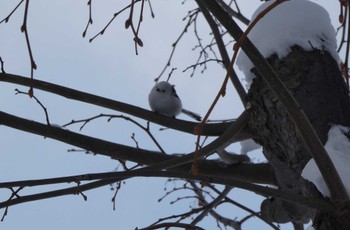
x=164, y=100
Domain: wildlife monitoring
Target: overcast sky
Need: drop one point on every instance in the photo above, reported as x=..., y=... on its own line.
x=107, y=67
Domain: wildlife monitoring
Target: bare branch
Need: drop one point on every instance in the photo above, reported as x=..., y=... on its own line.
x=223, y=52
x=90, y=21
x=257, y=173
x=24, y=30
x=37, y=101
x=110, y=117
x=111, y=20
x=6, y=19
x=227, y=199
x=2, y=63
x=210, y=206
x=109, y=178
x=14, y=194
x=176, y=225
x=233, y=13
x=191, y=18
x=214, y=129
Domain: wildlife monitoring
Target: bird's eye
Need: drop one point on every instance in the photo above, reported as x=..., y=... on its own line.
x=158, y=90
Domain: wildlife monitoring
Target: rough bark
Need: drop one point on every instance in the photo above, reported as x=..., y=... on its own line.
x=314, y=79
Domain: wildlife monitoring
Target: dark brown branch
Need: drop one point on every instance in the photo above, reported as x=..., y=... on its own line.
x=221, y=142
x=110, y=21
x=346, y=63
x=261, y=173
x=150, y=8
x=223, y=52
x=2, y=63
x=129, y=23
x=228, y=200
x=14, y=194
x=233, y=13
x=24, y=30
x=37, y=101
x=110, y=117
x=176, y=124
x=194, y=66
x=148, y=172
x=90, y=21
x=6, y=19
x=176, y=225
x=191, y=15
x=208, y=207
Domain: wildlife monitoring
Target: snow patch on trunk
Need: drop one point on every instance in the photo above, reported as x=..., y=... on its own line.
x=338, y=148
x=296, y=22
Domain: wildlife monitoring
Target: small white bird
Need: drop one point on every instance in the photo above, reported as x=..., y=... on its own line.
x=164, y=100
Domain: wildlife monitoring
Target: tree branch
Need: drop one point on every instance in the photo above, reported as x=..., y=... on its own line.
x=148, y=172
x=259, y=173
x=233, y=13
x=223, y=52
x=210, y=206
x=176, y=124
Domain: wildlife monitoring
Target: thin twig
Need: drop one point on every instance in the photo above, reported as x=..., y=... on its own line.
x=2, y=63
x=39, y=102
x=111, y=20
x=233, y=202
x=191, y=15
x=129, y=23
x=14, y=194
x=169, y=225
x=231, y=12
x=110, y=117
x=24, y=30
x=347, y=47
x=117, y=189
x=6, y=19
x=150, y=8
x=90, y=21
x=194, y=66
x=223, y=52
x=208, y=206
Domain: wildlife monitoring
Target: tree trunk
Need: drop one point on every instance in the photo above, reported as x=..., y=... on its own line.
x=314, y=79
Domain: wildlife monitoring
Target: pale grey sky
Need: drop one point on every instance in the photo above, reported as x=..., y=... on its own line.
x=107, y=67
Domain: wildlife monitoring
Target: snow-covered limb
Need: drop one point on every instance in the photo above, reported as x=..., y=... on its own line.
x=338, y=148
x=230, y=158
x=248, y=145
x=279, y=89
x=305, y=24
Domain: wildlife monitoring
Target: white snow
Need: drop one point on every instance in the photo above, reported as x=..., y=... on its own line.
x=248, y=145
x=338, y=148
x=295, y=22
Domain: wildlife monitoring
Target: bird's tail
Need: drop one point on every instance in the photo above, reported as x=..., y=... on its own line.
x=195, y=116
